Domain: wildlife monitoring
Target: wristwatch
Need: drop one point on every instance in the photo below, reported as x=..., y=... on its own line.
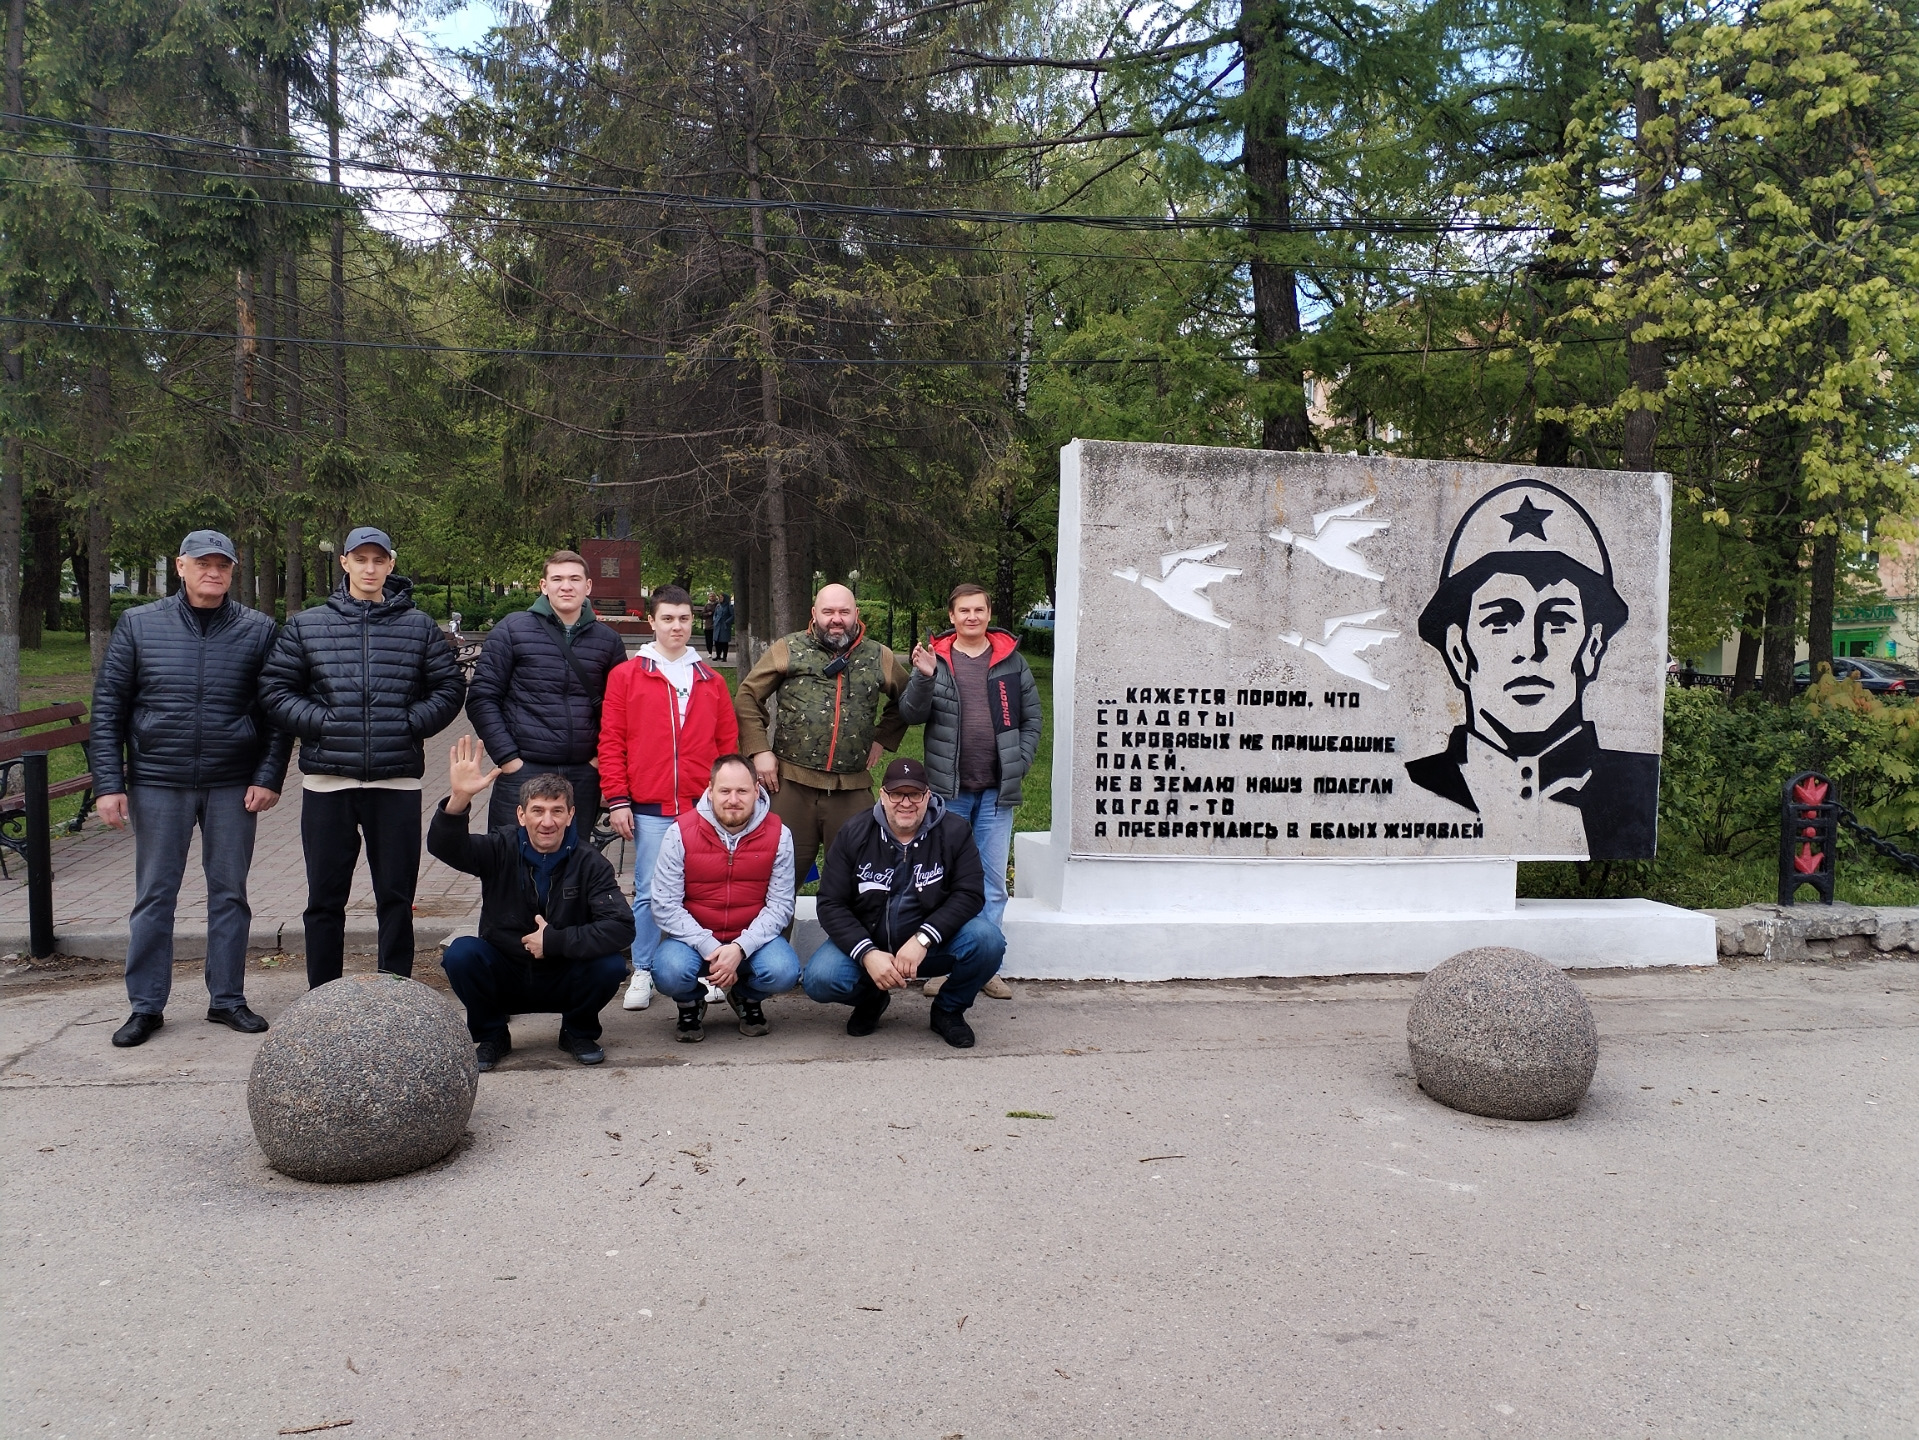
x=923, y=938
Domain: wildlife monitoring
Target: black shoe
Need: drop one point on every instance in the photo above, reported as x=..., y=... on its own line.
x=752, y=1018
x=489, y=1053
x=238, y=1018
x=138, y=1029
x=587, y=1052
x=951, y=1026
x=867, y=1010
x=692, y=1027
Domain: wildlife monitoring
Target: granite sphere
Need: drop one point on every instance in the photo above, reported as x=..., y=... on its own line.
x=1501, y=1032
x=366, y=1077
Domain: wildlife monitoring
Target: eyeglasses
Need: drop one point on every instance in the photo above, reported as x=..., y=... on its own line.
x=906, y=797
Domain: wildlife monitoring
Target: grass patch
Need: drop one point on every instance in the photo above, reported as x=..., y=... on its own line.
x=1029, y=1115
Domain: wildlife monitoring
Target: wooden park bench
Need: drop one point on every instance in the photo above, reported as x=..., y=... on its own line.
x=14, y=744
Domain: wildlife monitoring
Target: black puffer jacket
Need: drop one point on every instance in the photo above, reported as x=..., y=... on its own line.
x=1012, y=699
x=527, y=703
x=180, y=709
x=363, y=683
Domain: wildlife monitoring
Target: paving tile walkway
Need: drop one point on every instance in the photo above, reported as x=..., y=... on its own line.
x=93, y=883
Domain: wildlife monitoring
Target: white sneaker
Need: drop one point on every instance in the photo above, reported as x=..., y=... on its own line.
x=714, y=994
x=639, y=994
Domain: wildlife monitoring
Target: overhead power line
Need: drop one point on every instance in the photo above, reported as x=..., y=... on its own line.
x=1361, y=224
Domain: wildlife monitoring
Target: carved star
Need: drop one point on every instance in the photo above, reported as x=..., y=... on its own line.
x=1528, y=519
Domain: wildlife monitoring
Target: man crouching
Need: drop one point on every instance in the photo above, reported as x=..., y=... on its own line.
x=900, y=898
x=722, y=893
x=554, y=927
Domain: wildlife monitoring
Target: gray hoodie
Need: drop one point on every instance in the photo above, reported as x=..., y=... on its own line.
x=669, y=885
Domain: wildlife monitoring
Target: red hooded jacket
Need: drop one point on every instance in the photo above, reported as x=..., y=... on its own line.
x=648, y=758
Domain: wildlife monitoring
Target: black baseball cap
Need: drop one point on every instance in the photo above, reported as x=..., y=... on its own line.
x=905, y=774
x=367, y=535
x=208, y=542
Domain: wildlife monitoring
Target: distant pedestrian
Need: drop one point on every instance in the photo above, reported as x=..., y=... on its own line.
x=554, y=926
x=668, y=718
x=537, y=693
x=707, y=612
x=180, y=738
x=722, y=893
x=826, y=685
x=723, y=627
x=363, y=681
x=975, y=694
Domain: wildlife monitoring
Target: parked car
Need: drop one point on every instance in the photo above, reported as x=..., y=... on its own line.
x=1040, y=617
x=1881, y=677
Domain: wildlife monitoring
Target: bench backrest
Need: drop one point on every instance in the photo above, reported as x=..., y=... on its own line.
x=75, y=732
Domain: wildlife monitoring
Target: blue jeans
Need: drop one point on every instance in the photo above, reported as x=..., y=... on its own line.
x=163, y=821
x=495, y=987
x=993, y=834
x=771, y=970
x=970, y=959
x=648, y=832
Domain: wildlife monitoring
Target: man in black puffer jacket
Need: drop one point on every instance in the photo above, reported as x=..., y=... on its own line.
x=363, y=680
x=536, y=693
x=180, y=737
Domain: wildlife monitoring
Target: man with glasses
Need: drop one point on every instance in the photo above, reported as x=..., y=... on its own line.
x=900, y=898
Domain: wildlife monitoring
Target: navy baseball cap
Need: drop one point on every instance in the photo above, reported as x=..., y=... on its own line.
x=905, y=773
x=208, y=542
x=367, y=535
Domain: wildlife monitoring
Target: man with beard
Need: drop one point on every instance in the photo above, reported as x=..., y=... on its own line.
x=830, y=681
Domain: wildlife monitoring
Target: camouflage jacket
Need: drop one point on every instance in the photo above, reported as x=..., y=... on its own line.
x=827, y=708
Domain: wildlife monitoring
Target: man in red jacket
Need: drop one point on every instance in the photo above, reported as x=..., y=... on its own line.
x=667, y=718
x=723, y=892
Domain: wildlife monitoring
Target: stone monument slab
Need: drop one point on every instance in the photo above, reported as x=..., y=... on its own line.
x=1347, y=694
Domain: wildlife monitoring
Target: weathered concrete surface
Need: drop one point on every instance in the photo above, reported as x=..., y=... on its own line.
x=1815, y=932
x=852, y=1238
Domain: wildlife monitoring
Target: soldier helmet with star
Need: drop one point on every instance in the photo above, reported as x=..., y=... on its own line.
x=1529, y=528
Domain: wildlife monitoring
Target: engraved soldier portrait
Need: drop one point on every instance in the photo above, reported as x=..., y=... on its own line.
x=1524, y=612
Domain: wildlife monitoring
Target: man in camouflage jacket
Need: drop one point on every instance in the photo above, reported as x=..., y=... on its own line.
x=826, y=683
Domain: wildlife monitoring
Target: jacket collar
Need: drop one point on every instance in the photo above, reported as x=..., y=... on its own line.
x=543, y=606
x=701, y=671
x=1003, y=642
x=398, y=597
x=223, y=617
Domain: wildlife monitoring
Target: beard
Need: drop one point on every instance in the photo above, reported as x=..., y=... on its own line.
x=835, y=639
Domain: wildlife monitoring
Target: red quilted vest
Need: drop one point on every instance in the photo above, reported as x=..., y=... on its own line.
x=726, y=889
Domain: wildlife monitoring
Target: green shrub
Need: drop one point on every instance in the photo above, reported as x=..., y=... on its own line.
x=1035, y=642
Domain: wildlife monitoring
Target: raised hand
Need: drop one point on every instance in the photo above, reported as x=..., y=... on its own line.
x=923, y=660
x=466, y=773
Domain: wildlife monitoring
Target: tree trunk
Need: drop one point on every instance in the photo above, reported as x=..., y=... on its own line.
x=1645, y=359
x=1745, y=666
x=99, y=569
x=1266, y=154
x=1555, y=444
x=336, y=275
x=296, y=596
x=784, y=611
x=1782, y=635
x=100, y=412
x=13, y=455
x=1825, y=578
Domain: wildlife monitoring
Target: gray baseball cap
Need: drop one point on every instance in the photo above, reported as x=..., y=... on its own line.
x=367, y=535
x=208, y=542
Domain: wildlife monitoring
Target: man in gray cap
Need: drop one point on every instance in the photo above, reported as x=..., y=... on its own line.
x=180, y=738
x=363, y=681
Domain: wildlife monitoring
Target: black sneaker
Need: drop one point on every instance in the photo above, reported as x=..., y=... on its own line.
x=587, y=1052
x=951, y=1026
x=692, y=1027
x=867, y=1010
x=752, y=1018
x=138, y=1030
x=489, y=1053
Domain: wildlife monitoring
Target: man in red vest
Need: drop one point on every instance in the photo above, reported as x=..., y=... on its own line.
x=722, y=893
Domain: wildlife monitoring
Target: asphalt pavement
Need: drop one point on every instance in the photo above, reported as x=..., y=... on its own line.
x=1224, y=1210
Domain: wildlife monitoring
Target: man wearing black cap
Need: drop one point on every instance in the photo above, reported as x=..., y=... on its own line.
x=180, y=738
x=363, y=680
x=900, y=898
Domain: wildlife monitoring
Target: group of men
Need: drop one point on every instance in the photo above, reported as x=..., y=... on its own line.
x=727, y=800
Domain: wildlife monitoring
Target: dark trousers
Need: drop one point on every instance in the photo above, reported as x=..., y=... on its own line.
x=495, y=987
x=163, y=822
x=502, y=807
x=815, y=816
x=331, y=824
